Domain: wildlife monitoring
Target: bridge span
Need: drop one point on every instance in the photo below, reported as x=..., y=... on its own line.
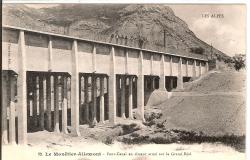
x=52, y=81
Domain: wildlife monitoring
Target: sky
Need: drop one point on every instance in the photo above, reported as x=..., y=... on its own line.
x=226, y=31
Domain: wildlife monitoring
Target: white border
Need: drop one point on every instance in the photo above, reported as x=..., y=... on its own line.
x=132, y=1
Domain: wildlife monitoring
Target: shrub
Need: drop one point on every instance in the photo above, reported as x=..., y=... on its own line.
x=108, y=140
x=239, y=62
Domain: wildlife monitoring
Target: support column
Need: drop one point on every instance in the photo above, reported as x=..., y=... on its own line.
x=180, y=77
x=56, y=108
x=41, y=103
x=5, y=103
x=112, y=88
x=64, y=106
x=81, y=99
x=75, y=92
x=171, y=83
x=50, y=87
x=187, y=68
x=50, y=100
x=130, y=98
x=50, y=64
x=102, y=99
x=151, y=64
x=207, y=67
x=44, y=98
x=126, y=63
x=194, y=69
x=140, y=88
x=171, y=65
x=12, y=123
x=123, y=94
x=86, y=100
x=69, y=92
x=22, y=91
x=162, y=75
x=152, y=83
x=200, y=72
x=36, y=99
x=94, y=95
x=94, y=59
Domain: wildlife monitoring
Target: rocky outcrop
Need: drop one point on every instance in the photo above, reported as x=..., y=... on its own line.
x=99, y=22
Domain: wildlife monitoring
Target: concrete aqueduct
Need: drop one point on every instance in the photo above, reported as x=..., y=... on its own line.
x=51, y=81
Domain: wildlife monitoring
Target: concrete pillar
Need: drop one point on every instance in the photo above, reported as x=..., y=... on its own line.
x=200, y=71
x=194, y=69
x=22, y=91
x=29, y=102
x=151, y=64
x=41, y=103
x=86, y=100
x=123, y=94
x=130, y=98
x=5, y=103
x=94, y=59
x=187, y=69
x=102, y=99
x=64, y=106
x=94, y=96
x=50, y=87
x=50, y=57
x=207, y=67
x=44, y=97
x=36, y=99
x=69, y=92
x=140, y=88
x=50, y=100
x=162, y=74
x=75, y=92
x=153, y=83
x=12, y=123
x=112, y=88
x=56, y=108
x=126, y=63
x=180, y=77
x=81, y=100
x=171, y=83
x=171, y=66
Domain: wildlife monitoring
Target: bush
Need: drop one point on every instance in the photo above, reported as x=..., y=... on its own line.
x=108, y=140
x=239, y=62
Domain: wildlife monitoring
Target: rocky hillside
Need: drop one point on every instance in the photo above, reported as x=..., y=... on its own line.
x=100, y=22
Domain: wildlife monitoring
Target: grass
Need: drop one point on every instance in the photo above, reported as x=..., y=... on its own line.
x=187, y=137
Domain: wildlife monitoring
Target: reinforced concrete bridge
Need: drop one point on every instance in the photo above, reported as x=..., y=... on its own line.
x=52, y=81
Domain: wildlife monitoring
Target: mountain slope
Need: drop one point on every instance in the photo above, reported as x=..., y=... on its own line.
x=100, y=21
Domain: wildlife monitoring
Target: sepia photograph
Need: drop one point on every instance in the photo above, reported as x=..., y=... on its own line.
x=105, y=81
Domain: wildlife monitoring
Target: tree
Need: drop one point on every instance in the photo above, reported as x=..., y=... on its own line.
x=239, y=61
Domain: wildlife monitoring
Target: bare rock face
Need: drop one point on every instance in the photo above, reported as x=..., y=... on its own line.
x=100, y=21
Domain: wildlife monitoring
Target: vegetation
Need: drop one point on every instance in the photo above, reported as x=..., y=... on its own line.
x=109, y=140
x=197, y=50
x=187, y=137
x=239, y=61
